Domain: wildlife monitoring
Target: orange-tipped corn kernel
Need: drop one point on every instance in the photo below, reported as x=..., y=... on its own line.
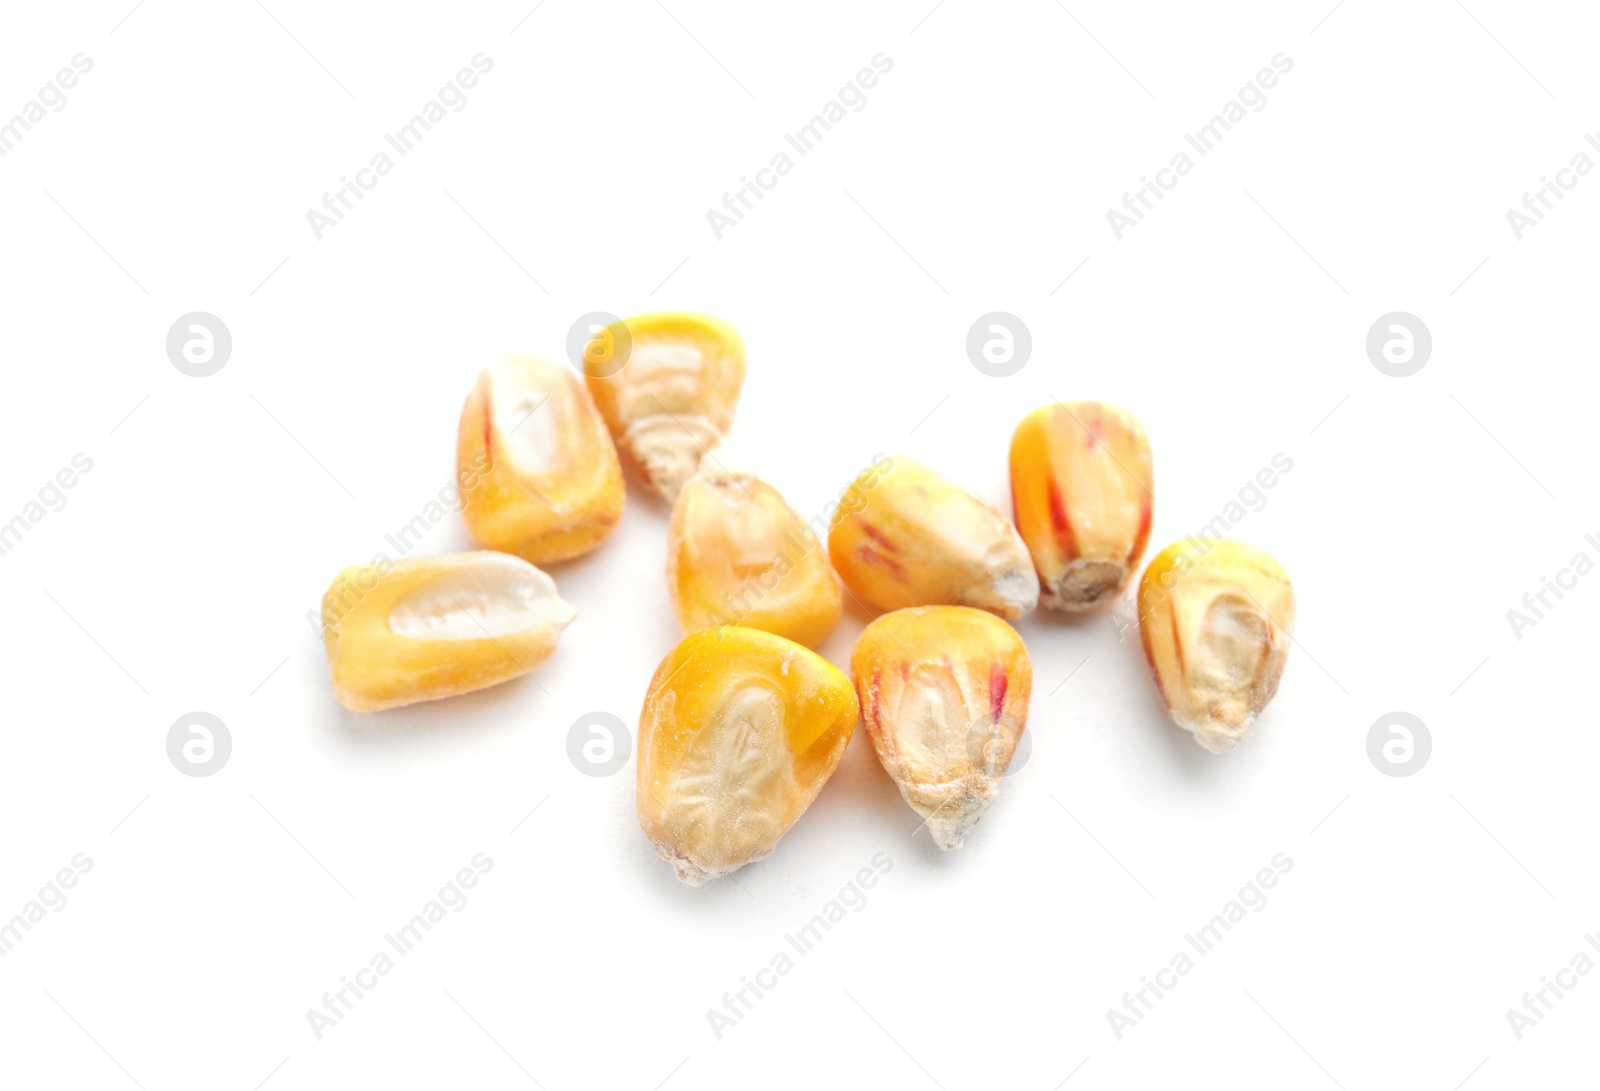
x=538, y=472
x=738, y=555
x=740, y=730
x=906, y=536
x=1215, y=617
x=420, y=629
x=944, y=694
x=666, y=385
x=1081, y=491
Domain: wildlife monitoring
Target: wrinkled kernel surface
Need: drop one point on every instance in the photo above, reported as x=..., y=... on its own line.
x=673, y=398
x=739, y=732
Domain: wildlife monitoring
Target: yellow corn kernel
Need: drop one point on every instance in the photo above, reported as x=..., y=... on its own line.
x=944, y=694
x=666, y=385
x=424, y=628
x=538, y=472
x=1216, y=618
x=738, y=555
x=906, y=536
x=739, y=732
x=1081, y=491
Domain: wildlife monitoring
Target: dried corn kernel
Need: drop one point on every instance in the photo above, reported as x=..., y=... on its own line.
x=420, y=629
x=1215, y=617
x=666, y=385
x=944, y=694
x=738, y=555
x=740, y=730
x=539, y=474
x=907, y=536
x=1080, y=488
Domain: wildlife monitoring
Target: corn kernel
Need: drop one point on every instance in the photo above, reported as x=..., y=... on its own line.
x=424, y=628
x=1081, y=491
x=944, y=694
x=739, y=732
x=538, y=472
x=738, y=555
x=906, y=536
x=1216, y=618
x=671, y=398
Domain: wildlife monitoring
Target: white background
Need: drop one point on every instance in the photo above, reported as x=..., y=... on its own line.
x=1232, y=322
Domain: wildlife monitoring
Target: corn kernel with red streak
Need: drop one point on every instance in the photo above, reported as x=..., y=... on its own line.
x=908, y=536
x=1081, y=493
x=944, y=693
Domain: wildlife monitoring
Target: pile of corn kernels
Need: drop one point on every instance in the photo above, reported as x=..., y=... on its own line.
x=743, y=723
